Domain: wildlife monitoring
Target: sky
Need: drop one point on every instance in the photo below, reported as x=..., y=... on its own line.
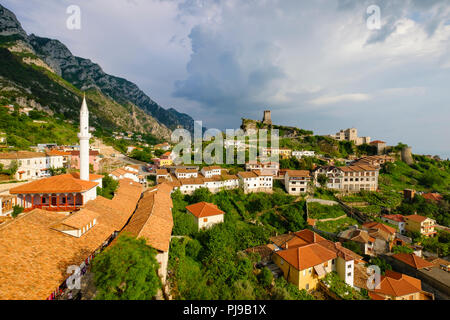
x=318, y=65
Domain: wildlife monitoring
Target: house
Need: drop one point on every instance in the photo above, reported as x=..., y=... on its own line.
x=66, y=156
x=209, y=172
x=168, y=156
x=380, y=145
x=281, y=152
x=186, y=173
x=395, y=219
x=303, y=153
x=7, y=203
x=383, y=234
x=268, y=167
x=398, y=286
x=128, y=172
x=432, y=197
x=153, y=221
x=162, y=174
x=94, y=160
x=420, y=224
x=163, y=146
x=206, y=214
x=361, y=237
x=353, y=178
x=31, y=165
x=305, y=257
x=413, y=260
x=254, y=181
x=375, y=161
x=161, y=163
x=297, y=181
x=59, y=193
x=47, y=243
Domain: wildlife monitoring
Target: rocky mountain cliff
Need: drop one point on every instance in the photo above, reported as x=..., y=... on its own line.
x=116, y=102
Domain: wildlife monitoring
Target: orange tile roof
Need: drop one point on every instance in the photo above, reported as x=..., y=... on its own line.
x=395, y=217
x=34, y=256
x=307, y=256
x=22, y=155
x=298, y=173
x=432, y=196
x=65, y=183
x=80, y=219
x=204, y=209
x=395, y=284
x=412, y=260
x=153, y=218
x=358, y=168
x=379, y=226
x=54, y=152
x=247, y=174
x=416, y=218
x=92, y=176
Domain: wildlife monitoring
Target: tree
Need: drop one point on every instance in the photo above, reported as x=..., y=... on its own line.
x=201, y=195
x=402, y=249
x=126, y=271
x=265, y=277
x=16, y=211
x=323, y=180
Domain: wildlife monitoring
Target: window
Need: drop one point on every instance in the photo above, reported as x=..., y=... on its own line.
x=307, y=286
x=205, y=220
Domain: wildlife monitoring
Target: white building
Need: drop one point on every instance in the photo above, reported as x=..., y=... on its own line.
x=206, y=214
x=255, y=182
x=296, y=181
x=186, y=173
x=31, y=165
x=397, y=220
x=303, y=153
x=209, y=172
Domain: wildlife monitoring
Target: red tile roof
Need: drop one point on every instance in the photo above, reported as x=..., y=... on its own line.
x=307, y=256
x=395, y=284
x=433, y=196
x=416, y=218
x=204, y=209
x=412, y=260
x=65, y=183
x=395, y=217
x=379, y=226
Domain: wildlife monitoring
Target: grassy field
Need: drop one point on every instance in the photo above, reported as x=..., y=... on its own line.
x=320, y=211
x=336, y=226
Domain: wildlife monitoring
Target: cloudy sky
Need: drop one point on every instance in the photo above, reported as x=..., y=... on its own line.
x=315, y=64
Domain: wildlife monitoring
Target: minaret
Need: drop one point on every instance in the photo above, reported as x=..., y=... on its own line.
x=84, y=137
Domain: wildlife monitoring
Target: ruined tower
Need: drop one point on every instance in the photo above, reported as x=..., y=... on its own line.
x=267, y=117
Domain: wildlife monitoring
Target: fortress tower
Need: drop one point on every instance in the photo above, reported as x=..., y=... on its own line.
x=267, y=117
x=84, y=137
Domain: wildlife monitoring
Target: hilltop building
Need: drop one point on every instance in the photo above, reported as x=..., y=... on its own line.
x=351, y=135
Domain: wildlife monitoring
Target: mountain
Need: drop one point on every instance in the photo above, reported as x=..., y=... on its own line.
x=43, y=73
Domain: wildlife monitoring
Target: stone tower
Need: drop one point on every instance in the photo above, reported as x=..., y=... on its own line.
x=84, y=137
x=267, y=117
x=407, y=155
